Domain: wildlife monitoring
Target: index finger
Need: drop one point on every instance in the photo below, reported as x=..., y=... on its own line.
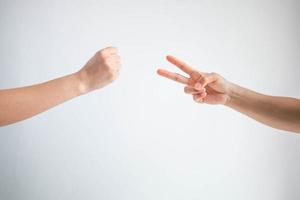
x=180, y=64
x=173, y=76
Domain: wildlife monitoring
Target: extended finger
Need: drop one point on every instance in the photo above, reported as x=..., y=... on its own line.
x=173, y=76
x=180, y=64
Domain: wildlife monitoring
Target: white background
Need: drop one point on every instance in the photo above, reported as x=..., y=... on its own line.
x=142, y=138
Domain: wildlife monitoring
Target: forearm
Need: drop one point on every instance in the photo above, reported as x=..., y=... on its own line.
x=278, y=112
x=21, y=103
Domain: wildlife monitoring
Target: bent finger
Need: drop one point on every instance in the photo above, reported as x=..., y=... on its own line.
x=199, y=98
x=191, y=90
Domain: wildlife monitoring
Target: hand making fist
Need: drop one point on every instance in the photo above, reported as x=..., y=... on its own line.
x=208, y=88
x=100, y=70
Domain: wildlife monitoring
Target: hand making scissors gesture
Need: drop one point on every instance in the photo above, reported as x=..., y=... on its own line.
x=208, y=88
x=278, y=112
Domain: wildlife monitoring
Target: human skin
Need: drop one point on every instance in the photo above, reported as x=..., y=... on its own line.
x=21, y=103
x=211, y=88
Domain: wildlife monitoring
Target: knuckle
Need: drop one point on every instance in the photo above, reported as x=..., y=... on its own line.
x=106, y=63
x=191, y=81
x=215, y=74
x=111, y=48
x=100, y=54
x=204, y=80
x=186, y=90
x=196, y=75
x=112, y=75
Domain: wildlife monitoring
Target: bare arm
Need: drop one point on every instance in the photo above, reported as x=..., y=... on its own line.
x=21, y=103
x=278, y=112
x=211, y=88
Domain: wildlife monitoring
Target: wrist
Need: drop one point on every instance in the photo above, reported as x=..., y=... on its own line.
x=81, y=85
x=232, y=94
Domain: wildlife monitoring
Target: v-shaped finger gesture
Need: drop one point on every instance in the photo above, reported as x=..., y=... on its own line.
x=205, y=87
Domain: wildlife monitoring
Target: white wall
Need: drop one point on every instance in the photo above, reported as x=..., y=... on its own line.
x=142, y=138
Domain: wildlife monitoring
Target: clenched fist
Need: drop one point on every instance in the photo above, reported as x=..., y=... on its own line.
x=100, y=70
x=208, y=88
